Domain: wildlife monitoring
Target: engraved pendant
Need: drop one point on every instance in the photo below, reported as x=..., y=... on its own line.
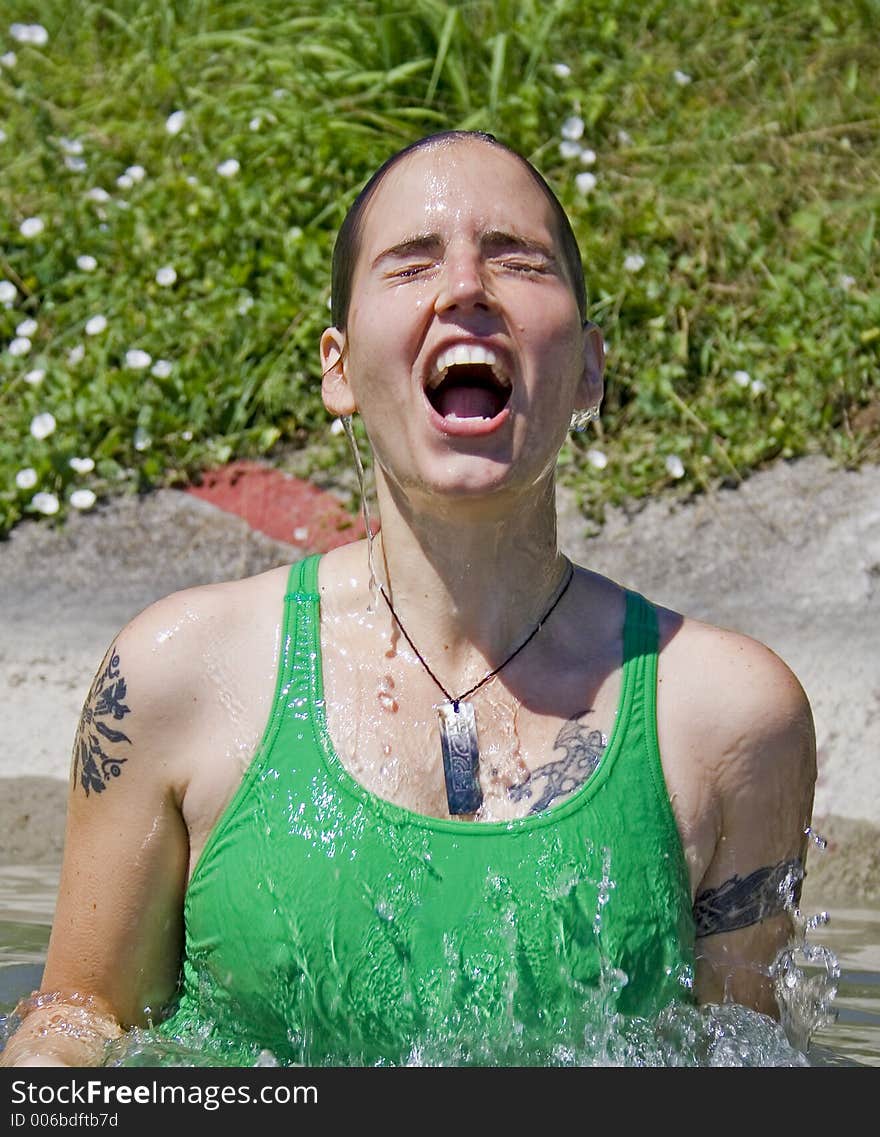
x=461, y=757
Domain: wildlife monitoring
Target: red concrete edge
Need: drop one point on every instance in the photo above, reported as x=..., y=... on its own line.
x=280, y=505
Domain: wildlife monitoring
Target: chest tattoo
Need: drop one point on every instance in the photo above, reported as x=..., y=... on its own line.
x=583, y=748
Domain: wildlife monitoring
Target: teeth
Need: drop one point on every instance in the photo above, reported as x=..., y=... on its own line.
x=463, y=353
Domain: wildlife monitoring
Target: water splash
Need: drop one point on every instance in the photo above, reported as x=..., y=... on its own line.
x=805, y=974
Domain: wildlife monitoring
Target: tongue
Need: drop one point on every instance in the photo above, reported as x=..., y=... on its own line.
x=467, y=402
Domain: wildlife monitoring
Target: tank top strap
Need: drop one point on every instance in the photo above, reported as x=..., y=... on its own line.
x=302, y=580
x=301, y=632
x=640, y=654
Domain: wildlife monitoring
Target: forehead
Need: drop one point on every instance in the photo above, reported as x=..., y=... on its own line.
x=462, y=184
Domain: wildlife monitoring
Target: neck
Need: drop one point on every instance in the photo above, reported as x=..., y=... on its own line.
x=468, y=581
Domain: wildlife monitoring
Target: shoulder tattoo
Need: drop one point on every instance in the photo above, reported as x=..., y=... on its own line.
x=746, y=900
x=97, y=748
x=583, y=748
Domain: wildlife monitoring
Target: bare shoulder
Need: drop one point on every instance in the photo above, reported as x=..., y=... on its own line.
x=169, y=638
x=166, y=670
x=736, y=689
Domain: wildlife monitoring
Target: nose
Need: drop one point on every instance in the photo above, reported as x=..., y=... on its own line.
x=463, y=283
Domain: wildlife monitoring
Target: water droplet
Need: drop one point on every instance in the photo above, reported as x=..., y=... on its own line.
x=817, y=839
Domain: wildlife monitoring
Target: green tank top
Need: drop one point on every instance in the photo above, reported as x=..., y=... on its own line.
x=330, y=927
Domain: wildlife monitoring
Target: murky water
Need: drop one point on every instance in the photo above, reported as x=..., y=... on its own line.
x=843, y=1032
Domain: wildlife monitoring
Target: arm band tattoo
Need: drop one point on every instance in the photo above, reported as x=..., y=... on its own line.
x=743, y=901
x=95, y=757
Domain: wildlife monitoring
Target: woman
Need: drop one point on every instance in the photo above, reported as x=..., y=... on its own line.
x=442, y=796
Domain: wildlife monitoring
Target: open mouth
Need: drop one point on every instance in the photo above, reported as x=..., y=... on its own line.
x=467, y=383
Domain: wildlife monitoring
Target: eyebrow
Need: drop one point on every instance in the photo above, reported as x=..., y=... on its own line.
x=493, y=241
x=421, y=243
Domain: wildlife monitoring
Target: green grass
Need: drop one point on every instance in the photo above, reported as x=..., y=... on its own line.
x=749, y=186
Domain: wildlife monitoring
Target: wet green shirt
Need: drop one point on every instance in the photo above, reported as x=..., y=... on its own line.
x=330, y=927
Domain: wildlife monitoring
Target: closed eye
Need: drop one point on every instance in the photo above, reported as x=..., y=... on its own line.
x=406, y=271
x=513, y=265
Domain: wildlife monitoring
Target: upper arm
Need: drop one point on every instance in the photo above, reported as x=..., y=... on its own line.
x=117, y=931
x=763, y=770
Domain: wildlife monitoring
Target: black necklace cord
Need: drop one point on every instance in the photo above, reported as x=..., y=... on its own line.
x=451, y=698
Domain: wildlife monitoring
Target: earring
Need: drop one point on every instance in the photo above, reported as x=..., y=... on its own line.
x=580, y=420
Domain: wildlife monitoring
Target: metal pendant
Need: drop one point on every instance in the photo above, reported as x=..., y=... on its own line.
x=461, y=757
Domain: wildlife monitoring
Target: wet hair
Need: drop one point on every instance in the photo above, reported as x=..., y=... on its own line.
x=348, y=239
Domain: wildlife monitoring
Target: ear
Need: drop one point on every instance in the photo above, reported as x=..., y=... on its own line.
x=335, y=389
x=591, y=387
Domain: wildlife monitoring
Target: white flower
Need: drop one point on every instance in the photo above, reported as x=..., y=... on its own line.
x=634, y=262
x=597, y=458
x=587, y=157
x=70, y=145
x=86, y=263
x=32, y=226
x=245, y=304
x=142, y=440
x=124, y=181
x=166, y=276
x=569, y=148
x=9, y=59
x=96, y=325
x=846, y=282
x=192, y=180
x=229, y=168
x=136, y=173
x=35, y=34
x=186, y=435
x=75, y=355
x=36, y=376
x=82, y=465
x=8, y=293
x=681, y=77
x=562, y=70
x=674, y=466
x=46, y=503
x=337, y=426
x=21, y=345
x=585, y=182
x=42, y=425
x=82, y=499
x=174, y=122
x=742, y=378
x=26, y=479
x=624, y=138
x=161, y=368
x=137, y=360
x=98, y=194
x=758, y=387
x=77, y=165
x=26, y=328
x=255, y=123
x=573, y=128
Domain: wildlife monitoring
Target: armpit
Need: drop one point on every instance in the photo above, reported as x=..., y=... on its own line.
x=743, y=901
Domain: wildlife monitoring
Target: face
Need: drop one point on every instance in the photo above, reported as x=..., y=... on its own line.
x=464, y=353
